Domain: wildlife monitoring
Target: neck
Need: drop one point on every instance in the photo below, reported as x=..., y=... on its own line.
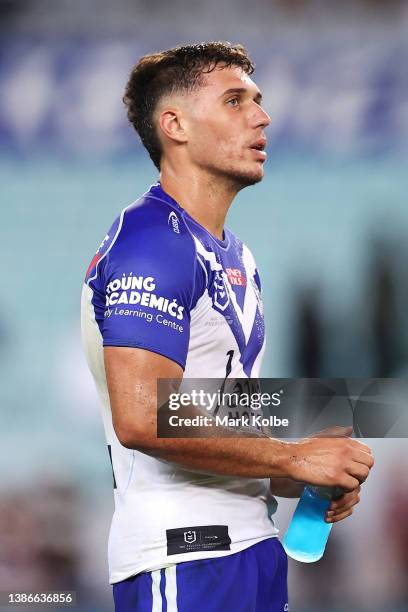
x=206, y=198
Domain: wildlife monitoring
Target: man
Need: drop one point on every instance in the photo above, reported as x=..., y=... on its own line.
x=170, y=294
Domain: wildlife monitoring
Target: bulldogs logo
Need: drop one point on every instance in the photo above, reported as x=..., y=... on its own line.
x=219, y=291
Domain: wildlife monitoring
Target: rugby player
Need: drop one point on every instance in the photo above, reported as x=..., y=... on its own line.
x=173, y=294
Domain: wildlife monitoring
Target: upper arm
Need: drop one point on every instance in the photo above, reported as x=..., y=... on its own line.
x=146, y=290
x=132, y=375
x=149, y=285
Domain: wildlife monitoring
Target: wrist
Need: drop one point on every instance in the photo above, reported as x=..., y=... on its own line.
x=284, y=459
x=294, y=459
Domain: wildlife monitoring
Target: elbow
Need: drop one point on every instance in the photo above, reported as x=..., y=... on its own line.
x=126, y=438
x=134, y=438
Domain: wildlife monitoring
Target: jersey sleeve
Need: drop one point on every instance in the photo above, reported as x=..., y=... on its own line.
x=149, y=284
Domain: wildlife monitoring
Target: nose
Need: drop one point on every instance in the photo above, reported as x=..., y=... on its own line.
x=260, y=117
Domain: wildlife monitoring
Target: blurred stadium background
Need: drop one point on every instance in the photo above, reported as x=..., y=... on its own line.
x=328, y=226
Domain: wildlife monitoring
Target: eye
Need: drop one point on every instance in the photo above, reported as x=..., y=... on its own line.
x=233, y=101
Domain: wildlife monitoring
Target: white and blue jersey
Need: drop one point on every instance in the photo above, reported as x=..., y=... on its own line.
x=160, y=281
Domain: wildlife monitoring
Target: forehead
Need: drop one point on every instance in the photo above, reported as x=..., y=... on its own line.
x=224, y=78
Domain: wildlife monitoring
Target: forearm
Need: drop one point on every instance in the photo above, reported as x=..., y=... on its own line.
x=134, y=394
x=231, y=452
x=211, y=449
x=223, y=450
x=235, y=456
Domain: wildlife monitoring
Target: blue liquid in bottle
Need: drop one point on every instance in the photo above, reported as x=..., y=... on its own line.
x=307, y=534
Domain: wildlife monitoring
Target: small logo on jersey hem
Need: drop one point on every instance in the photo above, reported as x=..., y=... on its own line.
x=190, y=537
x=173, y=220
x=197, y=539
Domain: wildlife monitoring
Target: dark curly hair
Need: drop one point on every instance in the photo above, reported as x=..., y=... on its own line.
x=177, y=69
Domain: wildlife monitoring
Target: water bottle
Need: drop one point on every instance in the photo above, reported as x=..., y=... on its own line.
x=307, y=534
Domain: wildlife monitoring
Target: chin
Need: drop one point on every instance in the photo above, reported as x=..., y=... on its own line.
x=241, y=177
x=246, y=179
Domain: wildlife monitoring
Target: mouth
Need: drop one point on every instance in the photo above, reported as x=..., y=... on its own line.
x=259, y=148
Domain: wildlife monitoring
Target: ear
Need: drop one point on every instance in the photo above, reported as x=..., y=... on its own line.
x=172, y=125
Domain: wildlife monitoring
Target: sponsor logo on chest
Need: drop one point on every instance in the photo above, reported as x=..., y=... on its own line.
x=236, y=277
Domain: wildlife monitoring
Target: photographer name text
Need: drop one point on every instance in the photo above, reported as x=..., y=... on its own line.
x=227, y=421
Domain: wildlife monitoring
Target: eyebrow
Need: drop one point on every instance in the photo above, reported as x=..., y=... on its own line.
x=243, y=90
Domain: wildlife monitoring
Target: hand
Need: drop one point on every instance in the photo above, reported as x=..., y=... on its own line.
x=331, y=458
x=343, y=507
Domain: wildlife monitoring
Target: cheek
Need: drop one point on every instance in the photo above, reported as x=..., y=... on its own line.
x=229, y=145
x=203, y=133
x=214, y=140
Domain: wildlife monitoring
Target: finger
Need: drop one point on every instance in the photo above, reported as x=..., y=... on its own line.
x=348, y=483
x=363, y=447
x=348, y=498
x=361, y=456
x=339, y=517
x=359, y=471
x=346, y=503
x=336, y=511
